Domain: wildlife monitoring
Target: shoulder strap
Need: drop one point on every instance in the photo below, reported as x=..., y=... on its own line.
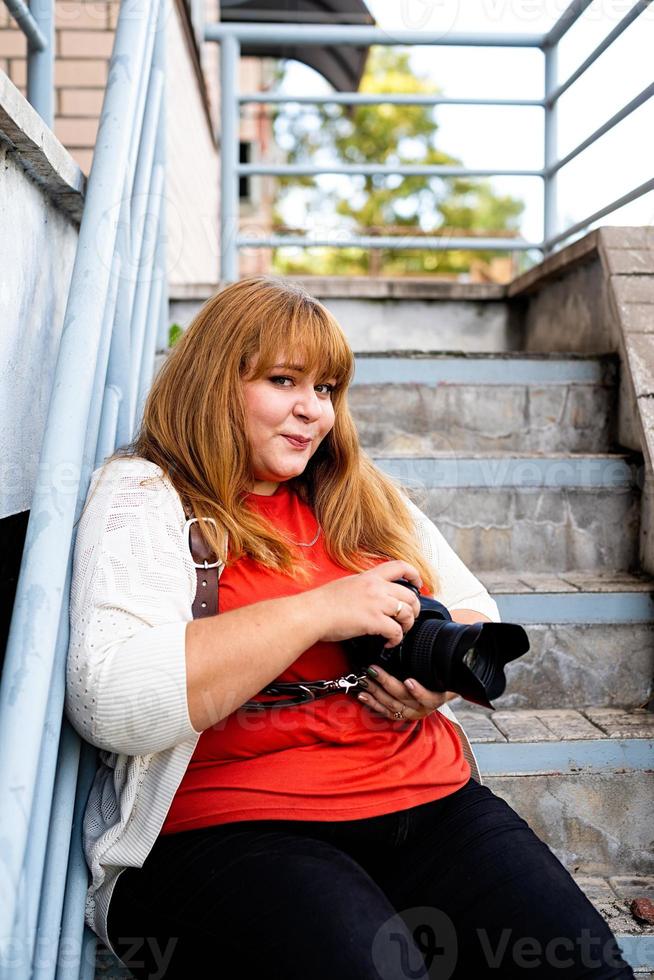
x=206, y=566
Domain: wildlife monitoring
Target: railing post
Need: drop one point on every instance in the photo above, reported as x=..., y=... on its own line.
x=230, y=52
x=551, y=113
x=62, y=476
x=40, y=64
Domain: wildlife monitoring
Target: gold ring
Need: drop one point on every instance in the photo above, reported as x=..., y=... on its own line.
x=399, y=715
x=400, y=606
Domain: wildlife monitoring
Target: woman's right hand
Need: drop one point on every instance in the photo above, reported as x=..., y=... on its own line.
x=365, y=603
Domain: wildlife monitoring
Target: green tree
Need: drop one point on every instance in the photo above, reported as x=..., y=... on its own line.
x=385, y=134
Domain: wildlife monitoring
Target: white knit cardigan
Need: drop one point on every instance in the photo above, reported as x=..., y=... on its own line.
x=132, y=592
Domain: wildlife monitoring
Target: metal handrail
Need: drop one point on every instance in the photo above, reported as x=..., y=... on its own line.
x=372, y=170
x=603, y=46
x=570, y=16
x=116, y=311
x=632, y=195
x=379, y=98
x=263, y=35
x=38, y=28
x=428, y=243
x=616, y=118
x=27, y=23
x=231, y=36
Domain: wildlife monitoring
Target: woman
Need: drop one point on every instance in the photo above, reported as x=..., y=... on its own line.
x=348, y=835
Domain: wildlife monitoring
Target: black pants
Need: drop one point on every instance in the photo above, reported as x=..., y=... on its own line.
x=460, y=887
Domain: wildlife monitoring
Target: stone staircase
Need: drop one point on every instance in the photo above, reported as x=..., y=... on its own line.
x=514, y=458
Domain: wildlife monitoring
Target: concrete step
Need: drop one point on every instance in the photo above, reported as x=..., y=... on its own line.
x=411, y=313
x=613, y=897
x=582, y=779
x=421, y=402
x=578, y=623
x=513, y=511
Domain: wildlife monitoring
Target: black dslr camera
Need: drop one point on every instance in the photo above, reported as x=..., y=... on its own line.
x=446, y=656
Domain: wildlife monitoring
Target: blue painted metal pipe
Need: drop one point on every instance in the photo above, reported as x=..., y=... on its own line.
x=230, y=50
x=570, y=16
x=72, y=919
x=146, y=364
x=28, y=24
x=429, y=243
x=619, y=202
x=372, y=170
x=550, y=184
x=31, y=646
x=603, y=46
x=143, y=299
x=59, y=843
x=40, y=63
x=378, y=98
x=616, y=118
x=327, y=34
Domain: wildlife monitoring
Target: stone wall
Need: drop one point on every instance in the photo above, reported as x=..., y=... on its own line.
x=597, y=296
x=40, y=202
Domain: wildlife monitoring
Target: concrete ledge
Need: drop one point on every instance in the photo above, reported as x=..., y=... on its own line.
x=369, y=287
x=553, y=266
x=574, y=581
x=39, y=152
x=198, y=291
x=558, y=725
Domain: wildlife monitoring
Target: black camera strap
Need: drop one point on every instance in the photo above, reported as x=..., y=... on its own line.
x=206, y=604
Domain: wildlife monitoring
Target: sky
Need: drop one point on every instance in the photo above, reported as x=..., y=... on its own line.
x=513, y=136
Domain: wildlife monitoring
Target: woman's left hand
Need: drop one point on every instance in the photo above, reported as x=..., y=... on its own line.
x=387, y=695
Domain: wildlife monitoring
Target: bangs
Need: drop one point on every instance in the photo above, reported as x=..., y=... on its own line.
x=307, y=336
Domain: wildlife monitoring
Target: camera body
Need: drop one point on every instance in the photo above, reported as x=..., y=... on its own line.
x=442, y=655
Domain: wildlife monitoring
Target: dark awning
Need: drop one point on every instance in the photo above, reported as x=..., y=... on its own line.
x=342, y=67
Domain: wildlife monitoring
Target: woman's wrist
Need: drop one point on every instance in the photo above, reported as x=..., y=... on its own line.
x=468, y=616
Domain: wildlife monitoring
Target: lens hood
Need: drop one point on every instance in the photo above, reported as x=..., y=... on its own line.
x=442, y=655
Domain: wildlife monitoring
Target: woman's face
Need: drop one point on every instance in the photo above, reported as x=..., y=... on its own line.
x=285, y=402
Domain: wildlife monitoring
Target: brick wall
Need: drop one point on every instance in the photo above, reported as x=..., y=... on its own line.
x=83, y=39
x=84, y=34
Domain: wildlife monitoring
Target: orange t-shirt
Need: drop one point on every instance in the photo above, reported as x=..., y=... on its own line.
x=331, y=759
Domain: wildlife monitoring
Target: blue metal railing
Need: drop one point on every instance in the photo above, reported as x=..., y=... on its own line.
x=37, y=25
x=115, y=314
x=232, y=36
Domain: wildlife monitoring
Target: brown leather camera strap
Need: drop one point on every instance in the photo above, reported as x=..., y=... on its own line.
x=206, y=569
x=206, y=604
